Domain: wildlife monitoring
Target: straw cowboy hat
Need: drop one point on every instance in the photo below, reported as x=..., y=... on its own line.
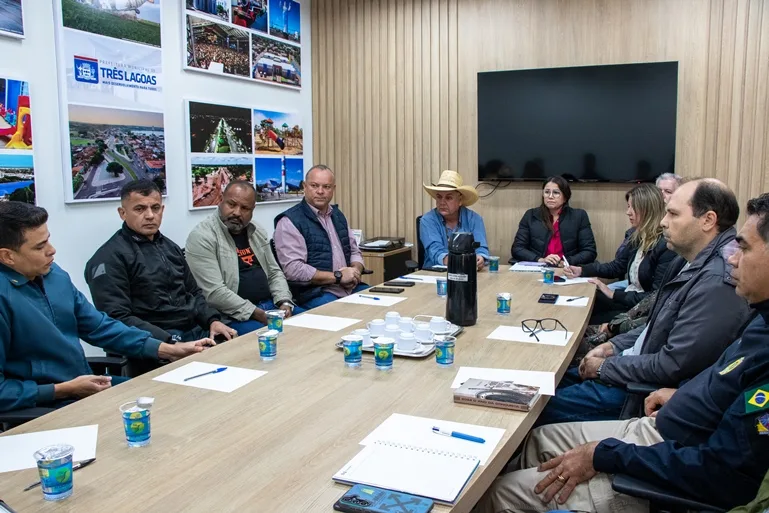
x=451, y=181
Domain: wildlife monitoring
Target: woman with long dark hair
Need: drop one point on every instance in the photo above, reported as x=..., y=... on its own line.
x=554, y=230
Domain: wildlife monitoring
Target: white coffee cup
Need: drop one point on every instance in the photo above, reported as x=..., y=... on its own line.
x=393, y=331
x=407, y=342
x=376, y=327
x=439, y=325
x=365, y=335
x=392, y=317
x=422, y=332
x=406, y=324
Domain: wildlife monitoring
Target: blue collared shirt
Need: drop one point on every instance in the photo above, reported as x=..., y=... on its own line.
x=435, y=234
x=41, y=324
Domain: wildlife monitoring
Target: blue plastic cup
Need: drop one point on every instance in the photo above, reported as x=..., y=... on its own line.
x=441, y=286
x=493, y=264
x=549, y=276
x=268, y=345
x=444, y=350
x=503, y=303
x=54, y=464
x=353, y=350
x=136, y=424
x=383, y=353
x=275, y=319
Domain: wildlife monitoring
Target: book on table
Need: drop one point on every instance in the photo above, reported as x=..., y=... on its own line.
x=497, y=394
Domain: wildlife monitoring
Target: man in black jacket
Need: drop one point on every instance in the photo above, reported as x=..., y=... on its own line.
x=708, y=441
x=141, y=278
x=695, y=317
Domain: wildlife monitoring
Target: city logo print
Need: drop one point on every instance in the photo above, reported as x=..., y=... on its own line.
x=86, y=69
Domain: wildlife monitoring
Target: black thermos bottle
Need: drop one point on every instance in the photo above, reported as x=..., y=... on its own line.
x=462, y=293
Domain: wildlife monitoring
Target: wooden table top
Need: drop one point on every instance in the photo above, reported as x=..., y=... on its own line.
x=273, y=445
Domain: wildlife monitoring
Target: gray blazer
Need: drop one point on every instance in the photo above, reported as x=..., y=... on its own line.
x=212, y=256
x=696, y=316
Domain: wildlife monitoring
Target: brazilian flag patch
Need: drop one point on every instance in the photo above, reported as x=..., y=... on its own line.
x=757, y=399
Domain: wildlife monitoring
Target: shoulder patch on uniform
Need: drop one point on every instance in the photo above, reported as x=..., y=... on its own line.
x=100, y=269
x=729, y=368
x=762, y=424
x=757, y=399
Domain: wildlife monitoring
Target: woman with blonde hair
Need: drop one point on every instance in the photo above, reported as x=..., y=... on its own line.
x=643, y=257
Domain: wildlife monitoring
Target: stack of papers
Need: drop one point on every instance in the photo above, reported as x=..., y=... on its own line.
x=18, y=450
x=516, y=334
x=320, y=322
x=528, y=267
x=371, y=299
x=421, y=278
x=376, y=244
x=572, y=301
x=225, y=381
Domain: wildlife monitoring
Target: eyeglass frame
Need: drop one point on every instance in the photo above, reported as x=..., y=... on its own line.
x=533, y=332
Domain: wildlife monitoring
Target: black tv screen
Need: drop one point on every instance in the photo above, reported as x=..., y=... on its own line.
x=612, y=123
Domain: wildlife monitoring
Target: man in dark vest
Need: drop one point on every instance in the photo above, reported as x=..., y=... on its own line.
x=315, y=246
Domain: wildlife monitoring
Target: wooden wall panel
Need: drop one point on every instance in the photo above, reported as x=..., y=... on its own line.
x=394, y=95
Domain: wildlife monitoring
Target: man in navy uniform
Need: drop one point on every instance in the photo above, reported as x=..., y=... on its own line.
x=708, y=440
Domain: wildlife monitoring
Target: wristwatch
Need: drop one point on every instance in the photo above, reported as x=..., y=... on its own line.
x=338, y=276
x=290, y=304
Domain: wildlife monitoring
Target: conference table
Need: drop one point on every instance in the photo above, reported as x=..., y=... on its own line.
x=274, y=444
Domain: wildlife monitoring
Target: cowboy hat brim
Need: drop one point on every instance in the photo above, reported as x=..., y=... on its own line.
x=469, y=194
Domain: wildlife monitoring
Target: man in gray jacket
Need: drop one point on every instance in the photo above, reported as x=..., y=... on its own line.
x=232, y=261
x=695, y=317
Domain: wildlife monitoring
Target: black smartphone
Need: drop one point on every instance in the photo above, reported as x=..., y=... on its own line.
x=548, y=299
x=399, y=283
x=385, y=290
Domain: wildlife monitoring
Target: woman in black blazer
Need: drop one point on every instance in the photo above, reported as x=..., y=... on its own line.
x=554, y=230
x=643, y=257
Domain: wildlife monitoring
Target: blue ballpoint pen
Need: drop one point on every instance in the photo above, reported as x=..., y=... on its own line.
x=215, y=371
x=457, y=434
x=369, y=297
x=411, y=278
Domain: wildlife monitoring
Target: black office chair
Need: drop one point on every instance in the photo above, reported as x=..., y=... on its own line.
x=660, y=499
x=100, y=365
x=411, y=265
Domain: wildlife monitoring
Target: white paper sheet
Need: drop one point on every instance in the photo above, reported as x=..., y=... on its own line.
x=421, y=278
x=569, y=281
x=516, y=334
x=227, y=381
x=528, y=267
x=418, y=431
x=544, y=380
x=564, y=301
x=16, y=451
x=320, y=322
x=367, y=299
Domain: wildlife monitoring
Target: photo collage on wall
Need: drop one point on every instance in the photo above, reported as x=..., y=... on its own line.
x=248, y=39
x=229, y=143
x=11, y=19
x=111, y=95
x=17, y=170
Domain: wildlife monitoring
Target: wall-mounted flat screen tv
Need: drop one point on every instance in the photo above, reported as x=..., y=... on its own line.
x=614, y=123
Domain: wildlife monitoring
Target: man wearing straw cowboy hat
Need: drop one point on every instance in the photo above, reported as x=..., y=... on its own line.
x=451, y=215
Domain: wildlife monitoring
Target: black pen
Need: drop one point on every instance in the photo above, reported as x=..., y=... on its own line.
x=76, y=466
x=575, y=298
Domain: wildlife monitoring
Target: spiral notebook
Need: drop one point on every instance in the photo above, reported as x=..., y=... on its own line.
x=437, y=475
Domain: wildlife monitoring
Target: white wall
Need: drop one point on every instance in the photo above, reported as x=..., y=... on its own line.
x=77, y=230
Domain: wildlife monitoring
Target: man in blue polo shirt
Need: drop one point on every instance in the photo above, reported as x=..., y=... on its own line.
x=708, y=440
x=43, y=317
x=451, y=215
